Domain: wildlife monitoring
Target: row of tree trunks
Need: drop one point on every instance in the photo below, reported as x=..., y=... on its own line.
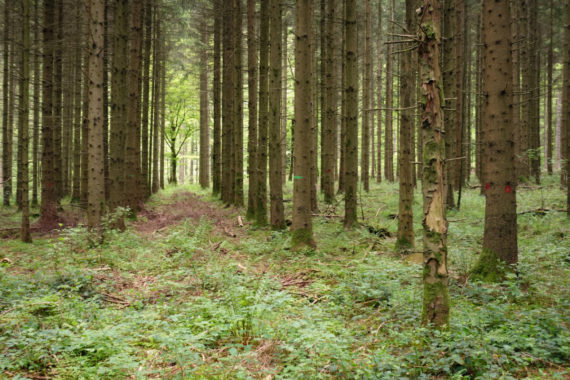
x=59, y=110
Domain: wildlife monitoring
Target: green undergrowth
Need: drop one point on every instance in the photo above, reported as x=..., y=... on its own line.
x=188, y=302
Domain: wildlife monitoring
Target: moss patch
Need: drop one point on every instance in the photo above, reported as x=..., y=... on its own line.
x=436, y=303
x=403, y=244
x=489, y=268
x=302, y=238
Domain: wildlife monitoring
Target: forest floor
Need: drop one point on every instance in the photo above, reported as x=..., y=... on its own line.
x=194, y=291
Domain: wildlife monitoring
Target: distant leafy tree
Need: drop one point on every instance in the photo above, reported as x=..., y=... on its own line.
x=177, y=133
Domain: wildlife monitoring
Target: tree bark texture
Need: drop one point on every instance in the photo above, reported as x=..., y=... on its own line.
x=261, y=203
x=252, y=86
x=96, y=193
x=435, y=275
x=133, y=182
x=405, y=239
x=566, y=101
x=329, y=131
x=500, y=236
x=238, y=106
x=450, y=79
x=228, y=113
x=119, y=102
x=23, y=132
x=275, y=145
x=366, y=98
x=302, y=228
x=217, y=85
x=389, y=131
x=204, y=110
x=351, y=89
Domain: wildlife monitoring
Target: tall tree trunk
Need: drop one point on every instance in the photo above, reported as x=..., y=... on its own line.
x=119, y=102
x=252, y=86
x=420, y=144
x=228, y=113
x=500, y=236
x=550, y=64
x=534, y=91
x=173, y=157
x=58, y=100
x=96, y=197
x=366, y=98
x=23, y=131
x=342, y=165
x=351, y=153
x=217, y=145
x=466, y=168
x=275, y=146
x=328, y=129
x=435, y=275
x=523, y=170
x=315, y=131
x=69, y=79
x=517, y=98
x=458, y=164
x=182, y=165
x=162, y=110
x=146, y=54
x=7, y=136
x=204, y=110
x=67, y=107
x=322, y=91
x=407, y=91
x=37, y=105
x=48, y=210
x=78, y=79
x=238, y=106
x=155, y=125
x=379, y=49
x=389, y=132
x=479, y=101
x=261, y=202
x=106, y=88
x=302, y=228
x=133, y=181
x=84, y=168
x=284, y=89
x=566, y=102
x=450, y=79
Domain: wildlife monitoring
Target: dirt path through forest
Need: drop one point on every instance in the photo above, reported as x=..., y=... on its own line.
x=186, y=205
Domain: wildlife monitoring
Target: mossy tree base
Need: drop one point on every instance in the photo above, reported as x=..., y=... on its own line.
x=489, y=268
x=436, y=304
x=403, y=245
x=302, y=238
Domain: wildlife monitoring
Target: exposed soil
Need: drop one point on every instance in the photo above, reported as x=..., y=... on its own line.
x=186, y=205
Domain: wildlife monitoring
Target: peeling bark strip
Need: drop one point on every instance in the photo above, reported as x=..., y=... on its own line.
x=436, y=295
